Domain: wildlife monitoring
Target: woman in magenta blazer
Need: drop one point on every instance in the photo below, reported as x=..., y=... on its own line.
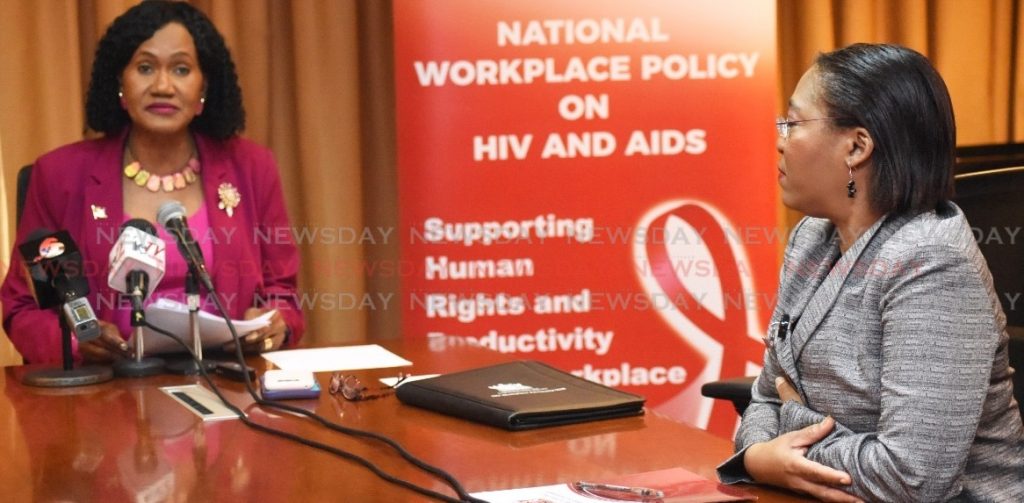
x=165, y=94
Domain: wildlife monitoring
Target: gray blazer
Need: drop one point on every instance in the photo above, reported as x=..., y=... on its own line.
x=902, y=340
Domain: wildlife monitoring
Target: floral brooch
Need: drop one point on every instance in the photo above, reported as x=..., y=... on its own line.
x=229, y=198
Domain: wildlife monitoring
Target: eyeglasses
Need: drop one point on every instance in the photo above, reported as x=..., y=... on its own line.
x=353, y=389
x=783, y=125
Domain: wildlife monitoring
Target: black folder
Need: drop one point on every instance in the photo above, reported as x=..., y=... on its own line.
x=520, y=395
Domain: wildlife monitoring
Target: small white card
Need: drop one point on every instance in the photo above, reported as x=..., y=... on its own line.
x=201, y=401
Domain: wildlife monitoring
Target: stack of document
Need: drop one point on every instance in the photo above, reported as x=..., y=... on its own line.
x=172, y=316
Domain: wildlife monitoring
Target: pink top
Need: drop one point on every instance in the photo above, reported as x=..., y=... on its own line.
x=172, y=286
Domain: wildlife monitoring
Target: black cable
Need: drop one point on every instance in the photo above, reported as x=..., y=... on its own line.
x=463, y=496
x=305, y=441
x=422, y=465
x=194, y=264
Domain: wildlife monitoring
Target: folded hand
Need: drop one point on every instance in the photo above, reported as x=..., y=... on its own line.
x=782, y=462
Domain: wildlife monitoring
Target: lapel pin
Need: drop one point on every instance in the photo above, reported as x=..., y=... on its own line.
x=229, y=198
x=98, y=212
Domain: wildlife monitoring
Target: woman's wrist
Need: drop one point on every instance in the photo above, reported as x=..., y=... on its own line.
x=750, y=459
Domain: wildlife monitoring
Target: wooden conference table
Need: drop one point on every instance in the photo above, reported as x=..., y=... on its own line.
x=126, y=440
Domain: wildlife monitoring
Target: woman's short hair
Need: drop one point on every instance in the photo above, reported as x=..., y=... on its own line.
x=223, y=115
x=896, y=94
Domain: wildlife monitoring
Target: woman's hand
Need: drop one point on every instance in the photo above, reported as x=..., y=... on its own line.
x=265, y=339
x=781, y=462
x=109, y=346
x=786, y=391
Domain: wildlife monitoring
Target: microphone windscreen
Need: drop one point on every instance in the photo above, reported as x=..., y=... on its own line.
x=42, y=244
x=171, y=216
x=142, y=224
x=51, y=258
x=137, y=249
x=38, y=233
x=169, y=211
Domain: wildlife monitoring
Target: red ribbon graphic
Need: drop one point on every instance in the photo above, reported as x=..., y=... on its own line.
x=731, y=330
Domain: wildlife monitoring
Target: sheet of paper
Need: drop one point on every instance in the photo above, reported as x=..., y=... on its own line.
x=172, y=316
x=677, y=484
x=393, y=381
x=368, y=356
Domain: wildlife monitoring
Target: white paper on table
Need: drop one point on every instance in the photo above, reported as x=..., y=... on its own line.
x=546, y=494
x=393, y=381
x=368, y=356
x=677, y=485
x=172, y=316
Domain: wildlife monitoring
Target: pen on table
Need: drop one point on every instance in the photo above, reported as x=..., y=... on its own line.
x=639, y=491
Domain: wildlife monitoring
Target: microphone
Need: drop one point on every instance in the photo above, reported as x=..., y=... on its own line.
x=42, y=290
x=171, y=216
x=137, y=262
x=55, y=266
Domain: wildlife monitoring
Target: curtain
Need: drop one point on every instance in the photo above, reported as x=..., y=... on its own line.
x=974, y=45
x=8, y=355
x=318, y=89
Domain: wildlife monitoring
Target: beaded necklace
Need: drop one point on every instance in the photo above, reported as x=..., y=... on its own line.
x=184, y=177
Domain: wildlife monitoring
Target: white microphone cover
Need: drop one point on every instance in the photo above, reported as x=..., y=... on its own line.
x=136, y=250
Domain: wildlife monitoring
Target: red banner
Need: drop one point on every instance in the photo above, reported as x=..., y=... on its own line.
x=592, y=184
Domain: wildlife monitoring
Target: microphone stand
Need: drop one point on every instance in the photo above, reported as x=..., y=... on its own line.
x=67, y=375
x=190, y=366
x=138, y=366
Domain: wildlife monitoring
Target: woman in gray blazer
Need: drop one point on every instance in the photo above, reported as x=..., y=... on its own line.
x=885, y=373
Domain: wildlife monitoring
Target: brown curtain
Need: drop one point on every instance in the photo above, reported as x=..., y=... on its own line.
x=8, y=354
x=973, y=44
x=317, y=82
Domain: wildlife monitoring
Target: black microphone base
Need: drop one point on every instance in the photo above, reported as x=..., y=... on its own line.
x=60, y=378
x=189, y=367
x=141, y=368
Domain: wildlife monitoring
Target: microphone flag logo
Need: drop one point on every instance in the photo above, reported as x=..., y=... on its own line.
x=49, y=248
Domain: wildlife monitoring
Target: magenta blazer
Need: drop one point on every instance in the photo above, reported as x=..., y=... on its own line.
x=73, y=186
